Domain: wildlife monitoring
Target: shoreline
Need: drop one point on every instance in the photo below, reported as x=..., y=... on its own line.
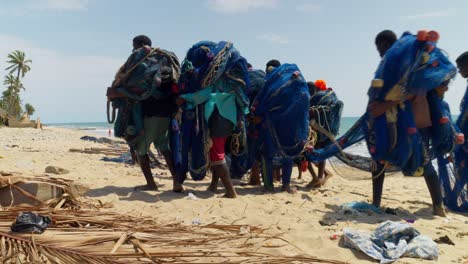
x=296, y=215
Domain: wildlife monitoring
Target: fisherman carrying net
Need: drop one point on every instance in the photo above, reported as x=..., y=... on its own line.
x=144, y=94
x=218, y=86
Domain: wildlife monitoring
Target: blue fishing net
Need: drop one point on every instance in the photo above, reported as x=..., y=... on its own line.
x=284, y=103
x=144, y=72
x=206, y=63
x=455, y=182
x=326, y=109
x=240, y=163
x=410, y=67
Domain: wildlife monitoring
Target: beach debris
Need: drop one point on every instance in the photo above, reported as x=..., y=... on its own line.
x=90, y=236
x=390, y=241
x=327, y=222
x=38, y=191
x=411, y=221
x=391, y=211
x=123, y=158
x=196, y=221
x=336, y=235
x=104, y=151
x=102, y=140
x=29, y=222
x=191, y=196
x=244, y=230
x=444, y=240
x=359, y=207
x=56, y=170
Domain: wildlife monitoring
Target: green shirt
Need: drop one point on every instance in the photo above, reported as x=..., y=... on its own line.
x=222, y=95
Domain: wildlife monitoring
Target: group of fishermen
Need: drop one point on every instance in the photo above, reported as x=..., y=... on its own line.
x=216, y=111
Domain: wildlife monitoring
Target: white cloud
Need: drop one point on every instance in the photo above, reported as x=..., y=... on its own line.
x=63, y=87
x=18, y=9
x=240, y=6
x=274, y=38
x=308, y=8
x=60, y=5
x=435, y=14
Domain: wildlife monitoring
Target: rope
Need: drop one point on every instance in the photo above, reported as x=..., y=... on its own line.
x=109, y=119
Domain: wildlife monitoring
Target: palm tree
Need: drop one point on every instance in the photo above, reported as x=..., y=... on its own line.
x=10, y=97
x=18, y=63
x=29, y=109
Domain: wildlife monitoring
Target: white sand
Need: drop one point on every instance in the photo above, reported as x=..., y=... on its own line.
x=296, y=215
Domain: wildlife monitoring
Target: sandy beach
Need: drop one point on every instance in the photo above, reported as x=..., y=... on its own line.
x=297, y=215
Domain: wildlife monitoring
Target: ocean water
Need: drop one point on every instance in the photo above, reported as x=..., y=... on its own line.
x=102, y=128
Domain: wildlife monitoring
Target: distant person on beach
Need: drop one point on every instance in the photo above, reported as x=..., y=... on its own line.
x=156, y=114
x=422, y=117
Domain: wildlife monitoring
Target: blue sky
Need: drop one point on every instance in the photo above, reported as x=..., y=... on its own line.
x=77, y=45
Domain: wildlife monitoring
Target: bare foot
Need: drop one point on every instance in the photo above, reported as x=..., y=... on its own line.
x=269, y=189
x=177, y=187
x=146, y=187
x=213, y=188
x=314, y=183
x=440, y=211
x=289, y=189
x=230, y=195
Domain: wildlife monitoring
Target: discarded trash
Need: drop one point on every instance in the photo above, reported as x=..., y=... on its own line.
x=30, y=223
x=391, y=211
x=327, y=222
x=196, y=221
x=336, y=236
x=359, y=207
x=244, y=230
x=390, y=241
x=56, y=170
x=192, y=196
x=411, y=221
x=444, y=240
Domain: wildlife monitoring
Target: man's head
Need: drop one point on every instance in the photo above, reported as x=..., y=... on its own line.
x=140, y=41
x=384, y=41
x=312, y=88
x=462, y=64
x=272, y=64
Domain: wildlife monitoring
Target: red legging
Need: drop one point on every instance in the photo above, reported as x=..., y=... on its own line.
x=217, y=149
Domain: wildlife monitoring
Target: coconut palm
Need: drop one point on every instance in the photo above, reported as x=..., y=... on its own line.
x=18, y=63
x=29, y=109
x=10, y=97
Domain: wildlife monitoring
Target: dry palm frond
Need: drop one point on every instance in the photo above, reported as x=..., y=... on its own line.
x=79, y=235
x=65, y=191
x=106, y=236
x=105, y=151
